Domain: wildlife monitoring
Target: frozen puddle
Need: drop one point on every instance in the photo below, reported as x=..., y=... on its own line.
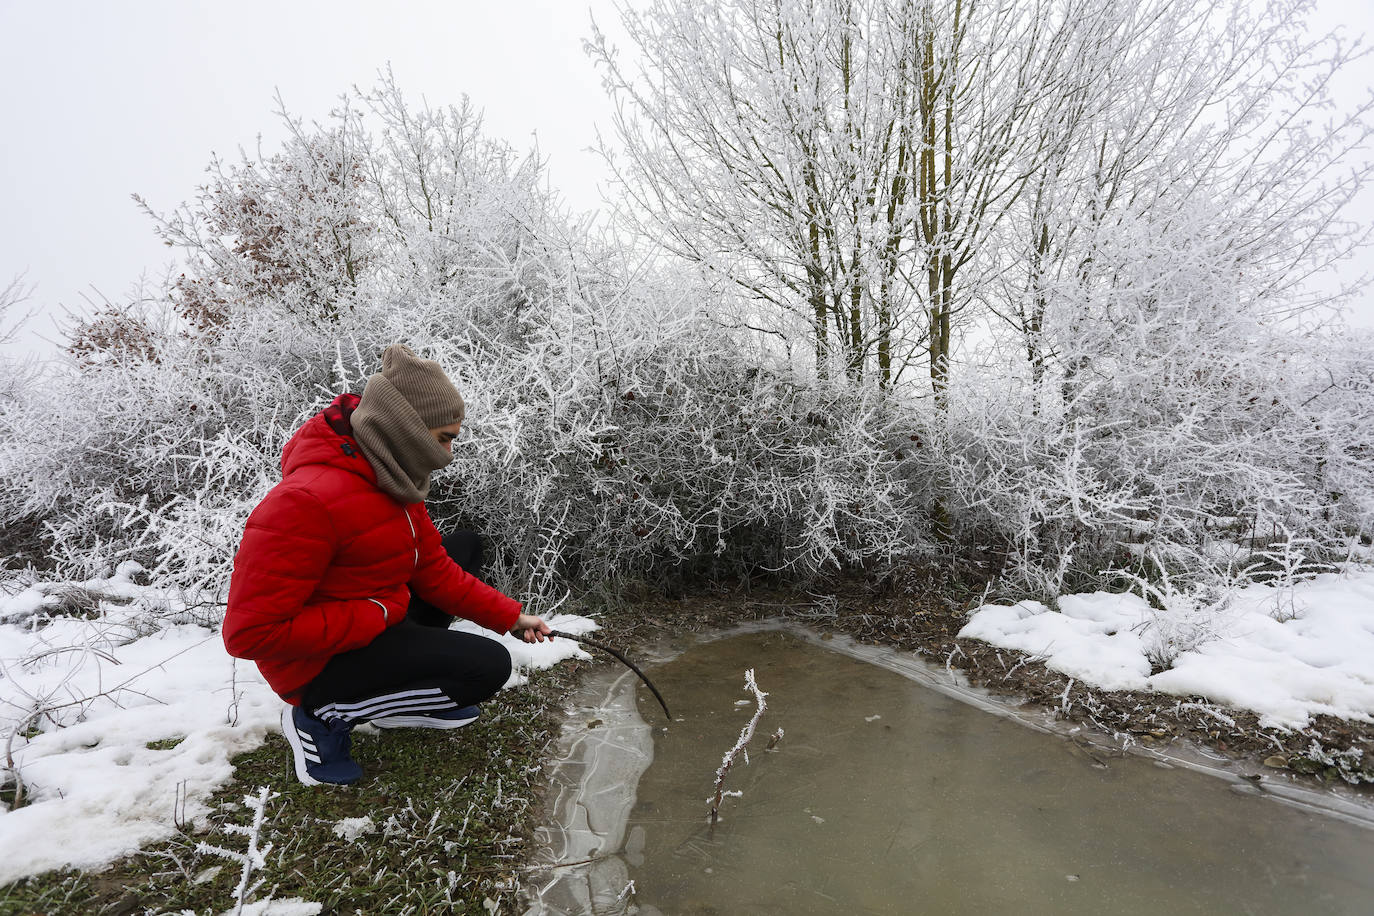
x=895, y=791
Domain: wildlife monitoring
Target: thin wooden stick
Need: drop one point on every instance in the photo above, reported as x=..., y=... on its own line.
x=625, y=661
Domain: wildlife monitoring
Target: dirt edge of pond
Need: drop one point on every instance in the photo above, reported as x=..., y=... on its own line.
x=922, y=617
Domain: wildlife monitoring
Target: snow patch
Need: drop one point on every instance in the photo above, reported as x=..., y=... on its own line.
x=1256, y=653
x=536, y=656
x=122, y=731
x=350, y=828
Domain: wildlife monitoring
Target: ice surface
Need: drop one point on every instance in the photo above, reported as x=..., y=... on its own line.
x=979, y=814
x=604, y=748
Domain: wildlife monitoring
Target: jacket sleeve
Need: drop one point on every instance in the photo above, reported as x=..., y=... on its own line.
x=449, y=587
x=287, y=545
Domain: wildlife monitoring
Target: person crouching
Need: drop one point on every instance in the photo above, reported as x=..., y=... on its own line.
x=342, y=588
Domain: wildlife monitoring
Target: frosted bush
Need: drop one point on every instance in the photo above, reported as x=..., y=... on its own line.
x=614, y=430
x=1178, y=411
x=668, y=453
x=1181, y=618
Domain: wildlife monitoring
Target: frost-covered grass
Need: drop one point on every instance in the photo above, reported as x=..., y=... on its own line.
x=436, y=826
x=121, y=716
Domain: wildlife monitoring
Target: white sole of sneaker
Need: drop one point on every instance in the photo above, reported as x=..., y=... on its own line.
x=420, y=722
x=293, y=738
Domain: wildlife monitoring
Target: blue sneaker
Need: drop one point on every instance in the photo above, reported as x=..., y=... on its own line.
x=320, y=748
x=437, y=718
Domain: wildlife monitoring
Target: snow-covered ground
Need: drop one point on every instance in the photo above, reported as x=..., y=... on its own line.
x=1285, y=653
x=123, y=724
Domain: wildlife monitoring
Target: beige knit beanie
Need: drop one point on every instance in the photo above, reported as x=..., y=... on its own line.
x=422, y=383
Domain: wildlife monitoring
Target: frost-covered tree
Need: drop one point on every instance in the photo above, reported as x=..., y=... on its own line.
x=870, y=171
x=1207, y=124
x=841, y=161
x=1154, y=279
x=771, y=143
x=1135, y=191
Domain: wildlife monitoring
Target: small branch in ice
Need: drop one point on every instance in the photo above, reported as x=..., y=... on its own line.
x=949, y=660
x=745, y=735
x=1022, y=661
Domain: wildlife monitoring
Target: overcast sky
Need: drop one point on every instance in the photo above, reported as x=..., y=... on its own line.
x=104, y=99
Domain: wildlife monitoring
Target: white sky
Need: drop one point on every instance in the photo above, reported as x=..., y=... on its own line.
x=103, y=99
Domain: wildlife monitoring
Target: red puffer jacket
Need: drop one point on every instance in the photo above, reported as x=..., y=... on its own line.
x=328, y=561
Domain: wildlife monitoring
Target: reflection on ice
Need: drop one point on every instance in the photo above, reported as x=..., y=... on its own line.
x=604, y=749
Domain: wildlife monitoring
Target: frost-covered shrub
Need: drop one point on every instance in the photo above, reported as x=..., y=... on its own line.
x=164, y=427
x=613, y=430
x=1181, y=618
x=636, y=441
x=1202, y=484
x=641, y=440
x=116, y=456
x=1177, y=413
x=1337, y=398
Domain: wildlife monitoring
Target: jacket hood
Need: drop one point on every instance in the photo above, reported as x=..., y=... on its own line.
x=327, y=439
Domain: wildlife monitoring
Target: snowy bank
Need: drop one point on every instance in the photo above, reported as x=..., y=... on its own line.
x=1287, y=654
x=123, y=724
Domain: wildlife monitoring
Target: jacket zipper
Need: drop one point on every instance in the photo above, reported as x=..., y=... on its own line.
x=414, y=540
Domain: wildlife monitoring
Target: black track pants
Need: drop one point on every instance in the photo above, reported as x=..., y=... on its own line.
x=418, y=665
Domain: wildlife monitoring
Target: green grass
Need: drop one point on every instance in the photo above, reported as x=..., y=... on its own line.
x=166, y=744
x=452, y=812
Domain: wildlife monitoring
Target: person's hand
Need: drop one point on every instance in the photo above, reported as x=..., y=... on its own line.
x=530, y=628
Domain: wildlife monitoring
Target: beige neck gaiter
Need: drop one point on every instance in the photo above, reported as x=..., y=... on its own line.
x=396, y=442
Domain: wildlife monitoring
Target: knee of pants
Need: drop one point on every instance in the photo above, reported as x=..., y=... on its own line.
x=498, y=667
x=485, y=667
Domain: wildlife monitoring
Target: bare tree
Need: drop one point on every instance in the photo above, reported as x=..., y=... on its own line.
x=770, y=142
x=1207, y=122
